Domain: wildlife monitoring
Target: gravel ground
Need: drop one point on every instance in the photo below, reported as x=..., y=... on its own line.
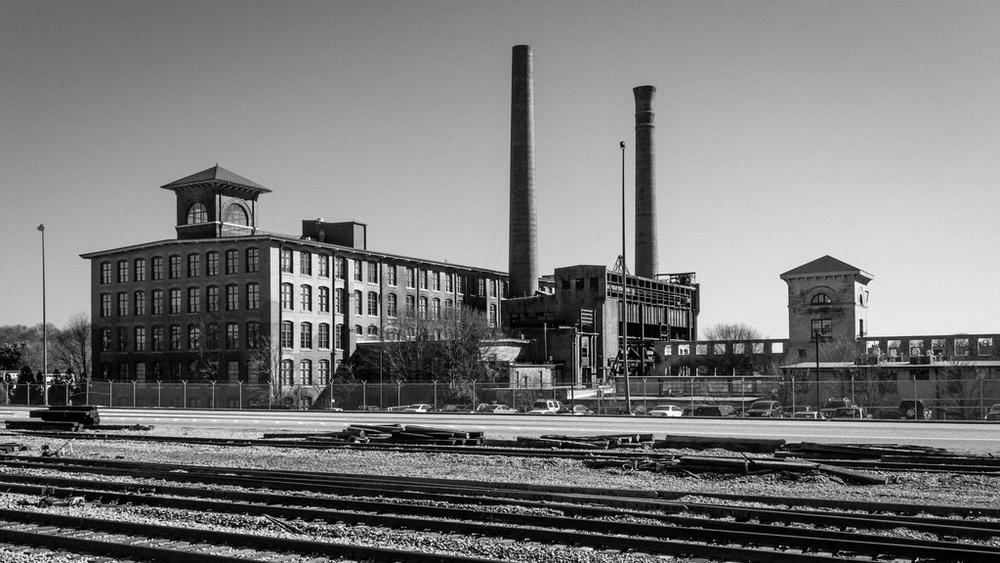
x=921, y=488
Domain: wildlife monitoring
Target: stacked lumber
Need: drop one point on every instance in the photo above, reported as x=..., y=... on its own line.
x=598, y=442
x=812, y=450
x=65, y=419
x=389, y=434
x=759, y=445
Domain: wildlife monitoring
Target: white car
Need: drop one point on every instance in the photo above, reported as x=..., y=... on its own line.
x=666, y=410
x=547, y=406
x=494, y=408
x=418, y=407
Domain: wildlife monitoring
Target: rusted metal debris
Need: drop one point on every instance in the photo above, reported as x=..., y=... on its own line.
x=388, y=434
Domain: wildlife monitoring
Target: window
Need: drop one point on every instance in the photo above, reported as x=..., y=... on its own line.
x=212, y=336
x=122, y=339
x=232, y=370
x=985, y=346
x=232, y=297
x=422, y=278
x=123, y=271
x=391, y=308
x=285, y=372
x=701, y=349
x=390, y=275
x=305, y=336
x=341, y=268
x=253, y=334
x=683, y=349
x=232, y=336
x=156, y=343
x=820, y=299
x=174, y=267
x=323, y=372
x=719, y=348
x=449, y=283
x=105, y=305
x=306, y=372
x=411, y=306
x=140, y=269
x=372, y=331
x=373, y=272
x=157, y=302
x=253, y=296
x=491, y=286
x=493, y=314
x=823, y=327
x=196, y=214
x=194, y=337
x=212, y=263
x=105, y=273
x=287, y=334
x=435, y=309
x=156, y=265
x=194, y=300
x=739, y=348
x=358, y=305
x=213, y=299
x=411, y=276
x=892, y=349
x=916, y=348
x=668, y=350
x=357, y=270
x=286, y=296
x=436, y=281
x=305, y=263
x=232, y=261
x=194, y=265
x=358, y=330
x=123, y=304
x=449, y=308
x=339, y=301
x=338, y=336
x=324, y=300
x=306, y=297
x=938, y=346
x=323, y=265
x=105, y=340
x=253, y=260
x=140, y=339
x=372, y=303
x=235, y=215
x=324, y=336
x=286, y=260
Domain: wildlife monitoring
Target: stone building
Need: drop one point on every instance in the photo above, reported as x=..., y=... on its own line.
x=226, y=301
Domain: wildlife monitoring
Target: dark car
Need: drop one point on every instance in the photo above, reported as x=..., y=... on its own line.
x=994, y=412
x=913, y=410
x=829, y=410
x=765, y=408
x=714, y=410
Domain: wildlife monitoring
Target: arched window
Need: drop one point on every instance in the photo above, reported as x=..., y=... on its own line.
x=236, y=215
x=197, y=213
x=306, y=372
x=373, y=331
x=324, y=372
x=820, y=299
x=285, y=373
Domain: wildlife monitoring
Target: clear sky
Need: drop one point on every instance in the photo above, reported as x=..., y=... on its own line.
x=866, y=130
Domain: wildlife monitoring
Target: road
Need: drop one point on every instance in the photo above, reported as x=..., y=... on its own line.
x=961, y=437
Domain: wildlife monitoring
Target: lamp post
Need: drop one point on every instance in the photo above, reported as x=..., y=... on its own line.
x=816, y=339
x=45, y=330
x=624, y=301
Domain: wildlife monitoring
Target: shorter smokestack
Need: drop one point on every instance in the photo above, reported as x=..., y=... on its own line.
x=645, y=184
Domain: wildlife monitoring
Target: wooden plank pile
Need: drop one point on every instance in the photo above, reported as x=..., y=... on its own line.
x=812, y=450
x=759, y=445
x=65, y=419
x=389, y=434
x=599, y=442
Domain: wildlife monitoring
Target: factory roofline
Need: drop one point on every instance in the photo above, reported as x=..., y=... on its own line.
x=278, y=238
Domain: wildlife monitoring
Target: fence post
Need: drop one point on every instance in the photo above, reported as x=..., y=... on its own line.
x=364, y=393
x=111, y=393
x=45, y=390
x=184, y=394
x=743, y=402
x=692, y=396
x=159, y=385
x=133, y=393
x=239, y=387
x=399, y=391
x=28, y=400
x=435, y=394
x=213, y=395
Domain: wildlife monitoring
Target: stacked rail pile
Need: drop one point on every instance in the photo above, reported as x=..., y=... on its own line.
x=599, y=442
x=64, y=419
x=389, y=434
x=893, y=457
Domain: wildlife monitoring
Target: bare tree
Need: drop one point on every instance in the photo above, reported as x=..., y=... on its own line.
x=72, y=345
x=735, y=332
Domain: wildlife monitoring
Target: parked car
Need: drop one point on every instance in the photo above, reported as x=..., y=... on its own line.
x=417, y=407
x=913, y=410
x=369, y=408
x=578, y=410
x=829, y=410
x=494, y=408
x=546, y=406
x=764, y=408
x=993, y=413
x=456, y=408
x=809, y=414
x=714, y=410
x=666, y=410
x=850, y=412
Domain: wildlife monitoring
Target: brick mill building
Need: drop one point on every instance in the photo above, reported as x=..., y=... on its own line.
x=225, y=301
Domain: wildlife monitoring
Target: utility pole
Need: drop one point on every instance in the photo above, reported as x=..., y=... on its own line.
x=628, y=392
x=816, y=338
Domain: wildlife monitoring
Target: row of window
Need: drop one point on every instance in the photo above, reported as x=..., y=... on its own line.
x=193, y=265
x=961, y=347
x=234, y=213
x=719, y=348
x=171, y=300
x=226, y=371
x=195, y=337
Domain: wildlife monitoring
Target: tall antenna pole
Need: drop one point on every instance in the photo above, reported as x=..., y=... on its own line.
x=45, y=328
x=628, y=392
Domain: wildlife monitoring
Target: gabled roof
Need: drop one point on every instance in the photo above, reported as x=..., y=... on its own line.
x=217, y=175
x=827, y=265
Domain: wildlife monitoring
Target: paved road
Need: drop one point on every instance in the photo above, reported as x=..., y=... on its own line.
x=973, y=437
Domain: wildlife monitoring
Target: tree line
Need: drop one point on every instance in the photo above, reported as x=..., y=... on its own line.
x=21, y=349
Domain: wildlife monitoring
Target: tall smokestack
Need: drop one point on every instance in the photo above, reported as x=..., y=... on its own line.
x=645, y=184
x=523, y=256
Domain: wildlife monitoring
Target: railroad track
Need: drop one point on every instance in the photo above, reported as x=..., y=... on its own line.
x=563, y=515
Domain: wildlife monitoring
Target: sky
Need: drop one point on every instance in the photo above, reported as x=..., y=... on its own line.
x=785, y=131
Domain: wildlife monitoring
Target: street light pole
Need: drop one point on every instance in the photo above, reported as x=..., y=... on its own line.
x=816, y=338
x=628, y=392
x=45, y=330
